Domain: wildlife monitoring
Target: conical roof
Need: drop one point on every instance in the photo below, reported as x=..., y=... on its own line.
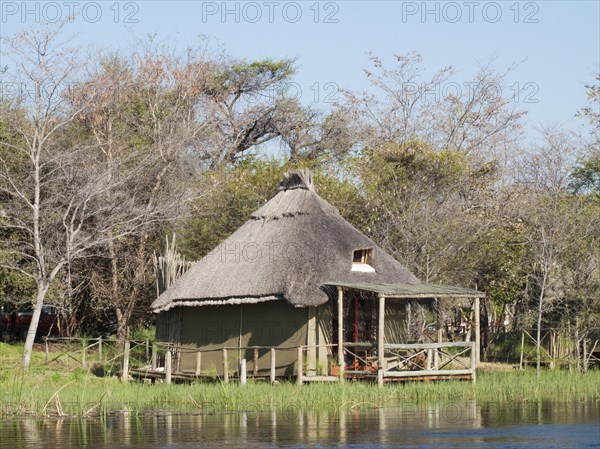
x=288, y=249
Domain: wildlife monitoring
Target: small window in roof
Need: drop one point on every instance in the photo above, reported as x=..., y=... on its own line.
x=362, y=259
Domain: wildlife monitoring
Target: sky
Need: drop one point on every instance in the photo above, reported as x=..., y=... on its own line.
x=555, y=43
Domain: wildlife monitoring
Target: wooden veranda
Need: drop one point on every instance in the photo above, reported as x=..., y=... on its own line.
x=402, y=360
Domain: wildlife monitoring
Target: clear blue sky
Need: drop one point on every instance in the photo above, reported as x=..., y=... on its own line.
x=559, y=40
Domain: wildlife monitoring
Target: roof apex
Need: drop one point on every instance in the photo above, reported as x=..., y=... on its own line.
x=297, y=179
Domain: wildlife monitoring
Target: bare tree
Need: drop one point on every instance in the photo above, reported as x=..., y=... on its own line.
x=308, y=134
x=476, y=117
x=143, y=116
x=551, y=218
x=55, y=184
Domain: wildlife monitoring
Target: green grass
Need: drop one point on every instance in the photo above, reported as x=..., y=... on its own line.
x=62, y=388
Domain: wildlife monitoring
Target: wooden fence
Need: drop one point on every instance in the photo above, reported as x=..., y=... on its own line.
x=150, y=360
x=105, y=351
x=557, y=349
x=165, y=361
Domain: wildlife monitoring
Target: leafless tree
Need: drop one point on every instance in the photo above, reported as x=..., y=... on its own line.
x=477, y=117
x=55, y=185
x=551, y=218
x=142, y=116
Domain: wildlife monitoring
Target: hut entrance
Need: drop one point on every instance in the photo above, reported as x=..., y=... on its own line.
x=360, y=328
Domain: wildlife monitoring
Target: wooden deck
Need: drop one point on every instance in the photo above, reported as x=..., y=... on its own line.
x=402, y=362
x=161, y=361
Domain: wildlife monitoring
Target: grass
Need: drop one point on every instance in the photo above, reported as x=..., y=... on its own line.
x=63, y=389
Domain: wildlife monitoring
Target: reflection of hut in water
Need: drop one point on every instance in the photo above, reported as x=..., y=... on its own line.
x=295, y=274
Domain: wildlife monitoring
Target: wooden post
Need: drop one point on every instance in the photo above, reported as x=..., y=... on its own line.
x=272, y=366
x=477, y=331
x=440, y=333
x=125, y=375
x=522, y=349
x=429, y=359
x=380, y=340
x=83, y=352
x=47, y=350
x=436, y=359
x=147, y=350
x=100, y=349
x=255, y=363
x=168, y=366
x=198, y=363
x=225, y=367
x=473, y=362
x=585, y=364
x=300, y=363
x=341, y=333
x=243, y=371
x=552, y=348
x=153, y=358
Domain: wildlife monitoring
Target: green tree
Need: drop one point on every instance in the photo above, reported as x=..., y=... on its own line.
x=428, y=208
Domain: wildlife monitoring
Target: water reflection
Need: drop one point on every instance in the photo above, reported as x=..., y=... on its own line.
x=535, y=424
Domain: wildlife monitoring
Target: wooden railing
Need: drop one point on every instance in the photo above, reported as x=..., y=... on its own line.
x=102, y=350
x=162, y=360
x=430, y=359
x=400, y=361
x=360, y=359
x=166, y=363
x=328, y=372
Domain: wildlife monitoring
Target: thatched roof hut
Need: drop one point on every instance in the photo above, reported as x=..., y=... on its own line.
x=279, y=281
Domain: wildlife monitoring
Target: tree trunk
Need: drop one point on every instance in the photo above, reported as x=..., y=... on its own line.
x=538, y=337
x=577, y=342
x=538, y=340
x=42, y=289
x=121, y=325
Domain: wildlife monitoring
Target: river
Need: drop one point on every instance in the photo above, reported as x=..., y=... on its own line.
x=529, y=425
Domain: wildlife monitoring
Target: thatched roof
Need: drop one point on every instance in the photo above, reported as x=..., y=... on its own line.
x=289, y=248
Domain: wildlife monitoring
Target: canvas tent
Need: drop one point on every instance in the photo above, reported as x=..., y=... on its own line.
x=277, y=282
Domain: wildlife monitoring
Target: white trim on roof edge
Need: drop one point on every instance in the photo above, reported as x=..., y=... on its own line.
x=217, y=302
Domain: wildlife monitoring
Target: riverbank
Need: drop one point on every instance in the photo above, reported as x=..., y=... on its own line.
x=62, y=389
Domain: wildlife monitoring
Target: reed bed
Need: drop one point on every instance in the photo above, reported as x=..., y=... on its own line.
x=62, y=390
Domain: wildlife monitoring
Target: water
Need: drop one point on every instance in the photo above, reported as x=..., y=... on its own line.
x=408, y=425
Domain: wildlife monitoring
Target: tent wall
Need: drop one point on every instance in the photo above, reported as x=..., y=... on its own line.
x=271, y=324
x=395, y=330
x=168, y=325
